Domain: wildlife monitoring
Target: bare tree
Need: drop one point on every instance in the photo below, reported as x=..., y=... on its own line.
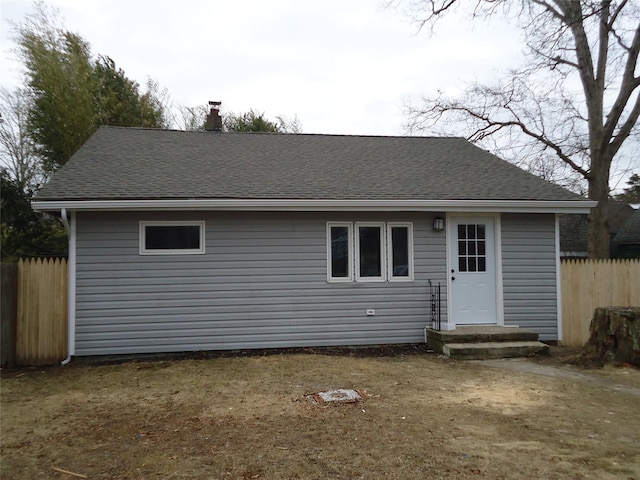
x=289, y=125
x=18, y=155
x=190, y=118
x=576, y=97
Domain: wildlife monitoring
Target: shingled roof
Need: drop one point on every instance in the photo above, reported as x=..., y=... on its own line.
x=630, y=231
x=147, y=164
x=574, y=228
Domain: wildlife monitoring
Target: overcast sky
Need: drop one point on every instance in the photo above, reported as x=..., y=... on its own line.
x=340, y=66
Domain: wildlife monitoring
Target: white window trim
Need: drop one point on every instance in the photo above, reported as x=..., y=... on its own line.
x=179, y=251
x=383, y=252
x=350, y=263
x=386, y=252
x=409, y=227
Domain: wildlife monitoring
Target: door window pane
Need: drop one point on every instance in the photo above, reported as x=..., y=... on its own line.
x=472, y=264
x=482, y=264
x=462, y=264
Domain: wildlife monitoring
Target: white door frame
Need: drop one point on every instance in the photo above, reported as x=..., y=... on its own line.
x=450, y=250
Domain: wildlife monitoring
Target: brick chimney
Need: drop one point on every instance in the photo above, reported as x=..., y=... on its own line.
x=214, y=120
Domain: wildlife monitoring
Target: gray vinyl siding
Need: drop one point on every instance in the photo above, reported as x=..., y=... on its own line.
x=261, y=283
x=529, y=273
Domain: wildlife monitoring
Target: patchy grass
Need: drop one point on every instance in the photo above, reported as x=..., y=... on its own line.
x=247, y=418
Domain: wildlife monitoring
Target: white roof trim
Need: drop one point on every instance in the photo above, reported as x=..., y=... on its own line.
x=515, y=206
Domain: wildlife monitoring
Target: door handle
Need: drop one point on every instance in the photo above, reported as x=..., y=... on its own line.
x=453, y=278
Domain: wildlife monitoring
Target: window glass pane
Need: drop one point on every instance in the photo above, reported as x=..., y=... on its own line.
x=481, y=232
x=400, y=251
x=462, y=247
x=462, y=264
x=339, y=251
x=370, y=251
x=481, y=247
x=482, y=264
x=471, y=231
x=462, y=232
x=472, y=264
x=472, y=248
x=172, y=237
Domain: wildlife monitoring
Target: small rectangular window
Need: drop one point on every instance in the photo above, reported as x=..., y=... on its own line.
x=170, y=238
x=339, y=236
x=400, y=238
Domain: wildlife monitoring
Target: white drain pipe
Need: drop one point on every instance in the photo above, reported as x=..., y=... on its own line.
x=70, y=230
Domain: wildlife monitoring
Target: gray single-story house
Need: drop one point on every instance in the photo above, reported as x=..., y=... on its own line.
x=184, y=241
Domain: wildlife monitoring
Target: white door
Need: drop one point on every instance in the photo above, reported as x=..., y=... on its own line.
x=472, y=270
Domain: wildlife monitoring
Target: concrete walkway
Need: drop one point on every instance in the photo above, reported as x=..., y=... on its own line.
x=568, y=372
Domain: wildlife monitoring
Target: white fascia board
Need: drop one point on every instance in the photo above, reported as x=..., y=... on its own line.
x=510, y=206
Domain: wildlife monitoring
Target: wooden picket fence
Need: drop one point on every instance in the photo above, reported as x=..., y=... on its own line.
x=40, y=324
x=41, y=329
x=587, y=284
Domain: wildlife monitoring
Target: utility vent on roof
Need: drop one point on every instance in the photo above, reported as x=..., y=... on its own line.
x=214, y=120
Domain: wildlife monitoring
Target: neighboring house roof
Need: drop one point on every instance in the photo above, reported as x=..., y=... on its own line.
x=574, y=235
x=630, y=231
x=574, y=228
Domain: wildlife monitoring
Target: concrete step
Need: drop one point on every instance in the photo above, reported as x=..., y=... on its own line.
x=489, y=350
x=436, y=339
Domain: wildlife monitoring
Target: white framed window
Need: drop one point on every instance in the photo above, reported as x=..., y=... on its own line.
x=370, y=252
x=171, y=238
x=339, y=252
x=400, y=251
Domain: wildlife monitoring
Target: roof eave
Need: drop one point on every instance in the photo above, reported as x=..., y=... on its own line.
x=512, y=206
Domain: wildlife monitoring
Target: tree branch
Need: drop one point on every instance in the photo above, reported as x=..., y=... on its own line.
x=629, y=84
x=603, y=46
x=492, y=126
x=616, y=13
x=625, y=129
x=444, y=6
x=550, y=9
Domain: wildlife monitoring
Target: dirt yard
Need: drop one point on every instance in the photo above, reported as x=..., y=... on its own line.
x=247, y=418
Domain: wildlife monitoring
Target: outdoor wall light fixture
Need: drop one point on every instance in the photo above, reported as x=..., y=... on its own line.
x=438, y=224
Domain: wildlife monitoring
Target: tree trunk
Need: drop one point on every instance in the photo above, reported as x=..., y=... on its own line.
x=598, y=222
x=598, y=231
x=615, y=336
